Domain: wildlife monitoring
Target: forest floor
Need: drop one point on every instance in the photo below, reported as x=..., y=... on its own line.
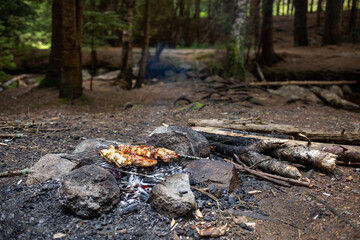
x=99, y=114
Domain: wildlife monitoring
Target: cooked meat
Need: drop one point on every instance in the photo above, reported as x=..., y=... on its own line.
x=146, y=151
x=121, y=159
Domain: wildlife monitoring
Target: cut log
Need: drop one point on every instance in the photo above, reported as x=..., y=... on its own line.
x=347, y=153
x=248, y=126
x=306, y=156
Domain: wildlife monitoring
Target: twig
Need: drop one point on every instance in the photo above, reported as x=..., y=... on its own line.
x=14, y=173
x=3, y=144
x=331, y=209
x=12, y=135
x=209, y=195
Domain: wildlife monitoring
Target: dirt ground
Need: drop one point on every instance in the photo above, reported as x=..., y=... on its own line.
x=99, y=114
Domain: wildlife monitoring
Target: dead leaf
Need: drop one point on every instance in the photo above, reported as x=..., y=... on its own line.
x=172, y=223
x=213, y=232
x=349, y=178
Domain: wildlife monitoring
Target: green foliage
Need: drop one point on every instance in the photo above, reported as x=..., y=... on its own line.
x=99, y=27
x=27, y=22
x=6, y=58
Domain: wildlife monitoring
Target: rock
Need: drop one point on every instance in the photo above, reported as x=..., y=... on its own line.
x=92, y=146
x=173, y=197
x=50, y=166
x=220, y=174
x=293, y=93
x=108, y=76
x=182, y=140
x=337, y=90
x=214, y=79
x=89, y=191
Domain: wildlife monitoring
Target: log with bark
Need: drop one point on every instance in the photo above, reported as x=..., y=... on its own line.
x=333, y=99
x=249, y=126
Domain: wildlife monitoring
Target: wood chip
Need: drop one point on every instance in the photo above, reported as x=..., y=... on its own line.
x=213, y=232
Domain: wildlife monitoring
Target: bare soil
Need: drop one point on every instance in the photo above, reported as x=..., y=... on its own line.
x=99, y=114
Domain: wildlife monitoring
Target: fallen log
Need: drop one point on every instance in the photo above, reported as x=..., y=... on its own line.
x=346, y=153
x=333, y=99
x=302, y=83
x=248, y=126
x=306, y=156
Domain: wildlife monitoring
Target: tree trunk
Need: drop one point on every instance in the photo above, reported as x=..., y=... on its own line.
x=71, y=76
x=235, y=50
x=333, y=14
x=318, y=12
x=127, y=43
x=53, y=74
x=145, y=48
x=300, y=27
x=268, y=55
x=197, y=19
x=352, y=21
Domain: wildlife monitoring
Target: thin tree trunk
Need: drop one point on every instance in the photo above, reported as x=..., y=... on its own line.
x=235, y=51
x=255, y=25
x=288, y=7
x=300, y=26
x=145, y=48
x=71, y=76
x=127, y=43
x=352, y=21
x=311, y=6
x=197, y=19
x=53, y=74
x=333, y=15
x=268, y=56
x=318, y=12
x=278, y=7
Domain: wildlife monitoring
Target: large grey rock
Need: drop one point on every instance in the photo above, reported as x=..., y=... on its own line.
x=89, y=191
x=92, y=146
x=173, y=197
x=182, y=140
x=50, y=166
x=220, y=174
x=293, y=92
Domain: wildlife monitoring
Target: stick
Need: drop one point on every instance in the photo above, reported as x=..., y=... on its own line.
x=331, y=209
x=14, y=173
x=12, y=135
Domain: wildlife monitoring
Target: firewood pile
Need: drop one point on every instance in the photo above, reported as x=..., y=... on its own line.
x=263, y=149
